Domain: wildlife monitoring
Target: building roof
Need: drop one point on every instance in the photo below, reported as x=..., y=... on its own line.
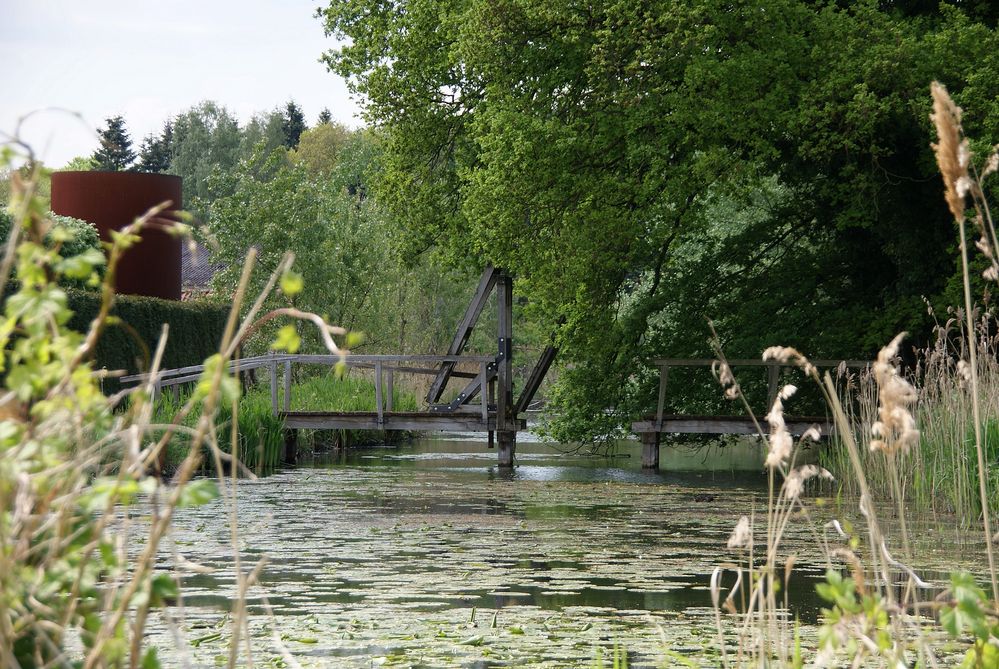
x=196, y=270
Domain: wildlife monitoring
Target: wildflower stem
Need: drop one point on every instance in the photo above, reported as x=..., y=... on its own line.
x=976, y=410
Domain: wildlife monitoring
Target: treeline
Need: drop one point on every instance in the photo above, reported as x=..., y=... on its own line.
x=193, y=144
x=277, y=185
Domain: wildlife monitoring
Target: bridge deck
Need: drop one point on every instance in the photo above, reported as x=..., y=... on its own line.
x=680, y=424
x=392, y=420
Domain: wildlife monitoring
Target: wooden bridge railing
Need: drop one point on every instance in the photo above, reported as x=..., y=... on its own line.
x=385, y=368
x=773, y=373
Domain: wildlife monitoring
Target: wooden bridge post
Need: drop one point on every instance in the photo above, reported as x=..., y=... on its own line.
x=287, y=385
x=650, y=450
x=506, y=430
x=274, y=389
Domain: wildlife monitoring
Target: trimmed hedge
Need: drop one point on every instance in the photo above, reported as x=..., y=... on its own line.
x=195, y=331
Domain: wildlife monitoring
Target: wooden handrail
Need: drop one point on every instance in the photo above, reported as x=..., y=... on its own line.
x=752, y=362
x=773, y=373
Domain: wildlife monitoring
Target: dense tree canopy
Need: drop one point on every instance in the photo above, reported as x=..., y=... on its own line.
x=206, y=138
x=641, y=166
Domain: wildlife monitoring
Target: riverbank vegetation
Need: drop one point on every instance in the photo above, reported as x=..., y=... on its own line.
x=261, y=434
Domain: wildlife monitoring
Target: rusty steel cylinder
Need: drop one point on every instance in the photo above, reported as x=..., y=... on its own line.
x=112, y=200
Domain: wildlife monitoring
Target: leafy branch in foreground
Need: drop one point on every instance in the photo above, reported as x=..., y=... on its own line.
x=78, y=566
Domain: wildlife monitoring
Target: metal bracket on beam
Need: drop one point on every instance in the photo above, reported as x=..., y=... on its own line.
x=505, y=349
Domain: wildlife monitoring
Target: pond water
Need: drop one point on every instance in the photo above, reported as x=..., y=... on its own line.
x=429, y=555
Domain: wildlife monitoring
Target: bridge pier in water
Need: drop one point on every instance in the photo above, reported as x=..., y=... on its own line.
x=507, y=447
x=650, y=450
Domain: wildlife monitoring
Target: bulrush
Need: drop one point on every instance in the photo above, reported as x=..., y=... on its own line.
x=780, y=439
x=742, y=535
x=952, y=151
x=794, y=484
x=895, y=430
x=790, y=355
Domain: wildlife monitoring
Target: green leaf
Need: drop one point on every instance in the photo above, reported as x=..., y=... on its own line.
x=162, y=590
x=150, y=660
x=197, y=493
x=287, y=339
x=291, y=283
x=354, y=339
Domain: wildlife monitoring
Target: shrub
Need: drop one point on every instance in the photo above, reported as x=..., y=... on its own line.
x=195, y=330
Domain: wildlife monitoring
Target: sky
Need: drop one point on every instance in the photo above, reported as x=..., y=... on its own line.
x=148, y=60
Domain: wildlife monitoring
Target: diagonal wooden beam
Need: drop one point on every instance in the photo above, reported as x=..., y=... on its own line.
x=534, y=380
x=486, y=283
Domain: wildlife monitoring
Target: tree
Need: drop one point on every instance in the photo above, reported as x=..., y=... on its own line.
x=589, y=148
x=206, y=139
x=264, y=133
x=79, y=164
x=325, y=116
x=156, y=151
x=115, y=153
x=293, y=125
x=319, y=148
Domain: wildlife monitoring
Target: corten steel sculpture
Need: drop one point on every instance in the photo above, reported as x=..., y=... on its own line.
x=112, y=200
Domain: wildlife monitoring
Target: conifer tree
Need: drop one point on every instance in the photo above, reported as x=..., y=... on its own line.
x=293, y=124
x=155, y=153
x=115, y=154
x=325, y=116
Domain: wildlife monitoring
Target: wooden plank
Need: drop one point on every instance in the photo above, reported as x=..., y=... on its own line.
x=273, y=375
x=403, y=369
x=722, y=425
x=474, y=387
x=751, y=362
x=378, y=392
x=650, y=450
x=195, y=370
x=483, y=396
x=287, y=385
x=472, y=312
x=326, y=359
x=663, y=377
x=535, y=379
x=390, y=389
x=462, y=422
x=504, y=371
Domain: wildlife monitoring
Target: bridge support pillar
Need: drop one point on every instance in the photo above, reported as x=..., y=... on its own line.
x=650, y=450
x=507, y=442
x=290, y=446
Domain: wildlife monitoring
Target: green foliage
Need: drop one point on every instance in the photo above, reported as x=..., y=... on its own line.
x=206, y=139
x=640, y=166
x=79, y=164
x=51, y=487
x=966, y=613
x=319, y=148
x=115, y=153
x=157, y=151
x=324, y=116
x=263, y=134
x=70, y=236
x=853, y=615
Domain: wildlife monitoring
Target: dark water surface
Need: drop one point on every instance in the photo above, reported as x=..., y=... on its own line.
x=430, y=555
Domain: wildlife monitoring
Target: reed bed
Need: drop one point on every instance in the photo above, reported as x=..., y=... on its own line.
x=926, y=447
